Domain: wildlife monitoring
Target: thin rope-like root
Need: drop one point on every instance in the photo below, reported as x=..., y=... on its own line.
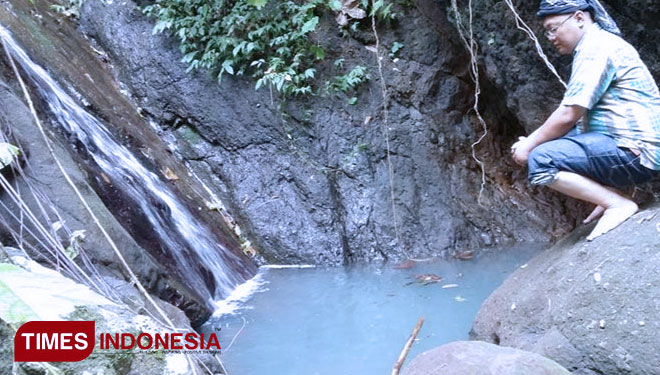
x=236, y=335
x=61, y=261
x=472, y=47
x=386, y=133
x=523, y=26
x=222, y=365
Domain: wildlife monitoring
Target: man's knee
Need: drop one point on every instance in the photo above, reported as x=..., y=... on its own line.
x=540, y=165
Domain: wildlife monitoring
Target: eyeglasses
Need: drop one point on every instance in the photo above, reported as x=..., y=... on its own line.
x=553, y=31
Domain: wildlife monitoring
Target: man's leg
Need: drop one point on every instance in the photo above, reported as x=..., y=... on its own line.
x=595, y=214
x=617, y=208
x=598, y=211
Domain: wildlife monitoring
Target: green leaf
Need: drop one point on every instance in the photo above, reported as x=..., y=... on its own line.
x=335, y=5
x=318, y=52
x=377, y=5
x=226, y=66
x=352, y=101
x=309, y=73
x=238, y=48
x=13, y=309
x=257, y=3
x=310, y=25
x=189, y=57
x=396, y=46
x=8, y=154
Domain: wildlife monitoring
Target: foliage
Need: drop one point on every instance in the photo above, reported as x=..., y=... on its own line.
x=344, y=83
x=68, y=8
x=396, y=47
x=13, y=309
x=8, y=153
x=267, y=40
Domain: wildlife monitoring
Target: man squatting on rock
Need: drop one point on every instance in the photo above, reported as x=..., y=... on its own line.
x=618, y=143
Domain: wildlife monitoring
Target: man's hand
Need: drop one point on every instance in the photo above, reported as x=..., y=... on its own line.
x=557, y=125
x=520, y=151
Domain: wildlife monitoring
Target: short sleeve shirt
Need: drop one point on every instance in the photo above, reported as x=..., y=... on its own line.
x=609, y=79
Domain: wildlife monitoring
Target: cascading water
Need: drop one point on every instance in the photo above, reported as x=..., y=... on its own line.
x=180, y=235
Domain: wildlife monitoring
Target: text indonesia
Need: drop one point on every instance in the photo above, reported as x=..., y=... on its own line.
x=73, y=341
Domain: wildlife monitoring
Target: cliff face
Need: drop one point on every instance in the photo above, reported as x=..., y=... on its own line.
x=309, y=182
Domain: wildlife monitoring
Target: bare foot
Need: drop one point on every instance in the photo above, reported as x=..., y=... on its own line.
x=612, y=218
x=595, y=214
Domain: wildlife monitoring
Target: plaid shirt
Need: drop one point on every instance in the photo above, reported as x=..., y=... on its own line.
x=611, y=81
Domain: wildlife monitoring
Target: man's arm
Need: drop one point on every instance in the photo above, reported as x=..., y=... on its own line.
x=557, y=125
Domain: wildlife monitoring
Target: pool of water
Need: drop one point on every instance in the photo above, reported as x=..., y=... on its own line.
x=356, y=320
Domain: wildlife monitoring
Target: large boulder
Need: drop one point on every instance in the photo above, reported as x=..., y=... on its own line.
x=480, y=358
x=591, y=306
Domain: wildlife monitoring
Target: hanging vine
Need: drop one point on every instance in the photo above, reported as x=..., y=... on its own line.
x=472, y=47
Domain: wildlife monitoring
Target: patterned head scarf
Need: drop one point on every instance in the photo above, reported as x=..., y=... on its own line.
x=552, y=7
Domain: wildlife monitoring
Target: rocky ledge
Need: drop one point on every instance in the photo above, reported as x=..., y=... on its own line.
x=590, y=306
x=480, y=358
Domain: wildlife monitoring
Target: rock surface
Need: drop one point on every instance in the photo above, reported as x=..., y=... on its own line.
x=65, y=208
x=480, y=358
x=67, y=56
x=514, y=68
x=77, y=302
x=309, y=181
x=591, y=306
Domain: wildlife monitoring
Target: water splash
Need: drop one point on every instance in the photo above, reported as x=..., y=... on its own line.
x=239, y=296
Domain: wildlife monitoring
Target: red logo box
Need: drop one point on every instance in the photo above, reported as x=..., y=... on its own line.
x=54, y=341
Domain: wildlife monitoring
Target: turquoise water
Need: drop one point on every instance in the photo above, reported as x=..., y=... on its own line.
x=356, y=320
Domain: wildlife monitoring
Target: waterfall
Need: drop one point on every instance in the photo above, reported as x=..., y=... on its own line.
x=182, y=237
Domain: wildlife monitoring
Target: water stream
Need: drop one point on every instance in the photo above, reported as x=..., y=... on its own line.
x=328, y=321
x=182, y=237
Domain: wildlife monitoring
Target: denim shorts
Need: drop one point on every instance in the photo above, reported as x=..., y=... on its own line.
x=592, y=155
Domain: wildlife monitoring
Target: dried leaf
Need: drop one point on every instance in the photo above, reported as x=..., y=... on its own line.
x=217, y=206
x=342, y=19
x=465, y=255
x=57, y=225
x=404, y=265
x=349, y=9
x=356, y=13
x=105, y=178
x=248, y=249
x=169, y=174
